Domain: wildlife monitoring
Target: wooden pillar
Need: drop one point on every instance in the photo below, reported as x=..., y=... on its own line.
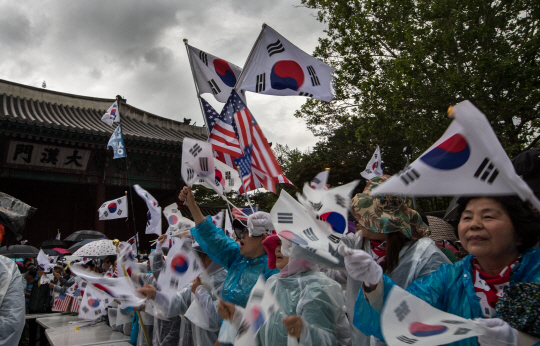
x=100, y=199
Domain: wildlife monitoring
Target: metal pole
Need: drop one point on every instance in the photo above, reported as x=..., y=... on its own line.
x=196, y=87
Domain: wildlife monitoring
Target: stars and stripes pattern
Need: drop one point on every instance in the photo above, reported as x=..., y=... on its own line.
x=266, y=171
x=244, y=163
x=222, y=134
x=75, y=305
x=238, y=213
x=61, y=303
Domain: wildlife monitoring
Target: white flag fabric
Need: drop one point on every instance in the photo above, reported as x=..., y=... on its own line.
x=181, y=266
x=227, y=178
x=228, y=224
x=134, y=241
x=296, y=225
x=320, y=180
x=198, y=164
x=212, y=74
x=218, y=219
x=114, y=209
x=153, y=225
x=330, y=205
x=278, y=67
x=374, y=166
x=173, y=215
x=409, y=320
x=119, y=289
x=93, y=305
x=260, y=306
x=467, y=160
x=127, y=259
x=45, y=261
x=58, y=236
x=112, y=115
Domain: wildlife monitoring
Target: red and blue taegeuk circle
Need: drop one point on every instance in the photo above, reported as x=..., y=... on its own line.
x=258, y=318
x=294, y=238
x=219, y=176
x=112, y=207
x=286, y=74
x=450, y=154
x=336, y=220
x=179, y=264
x=93, y=302
x=173, y=219
x=422, y=330
x=225, y=72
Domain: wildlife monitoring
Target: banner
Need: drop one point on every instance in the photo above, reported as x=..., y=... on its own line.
x=114, y=209
x=117, y=143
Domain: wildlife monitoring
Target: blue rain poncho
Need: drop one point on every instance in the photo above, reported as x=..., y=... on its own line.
x=11, y=303
x=318, y=300
x=450, y=289
x=242, y=273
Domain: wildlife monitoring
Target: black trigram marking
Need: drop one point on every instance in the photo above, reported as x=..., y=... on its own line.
x=316, y=206
x=203, y=57
x=310, y=234
x=231, y=182
x=190, y=174
x=104, y=204
x=452, y=322
x=119, y=201
x=311, y=249
x=462, y=331
x=342, y=202
x=408, y=176
x=215, y=88
x=173, y=284
x=228, y=175
x=313, y=75
x=316, y=181
x=275, y=48
x=244, y=327
x=402, y=311
x=406, y=340
x=106, y=213
x=260, y=86
x=97, y=312
x=258, y=295
x=195, y=150
x=284, y=218
x=119, y=212
x=486, y=171
x=203, y=162
x=334, y=239
x=305, y=94
x=85, y=309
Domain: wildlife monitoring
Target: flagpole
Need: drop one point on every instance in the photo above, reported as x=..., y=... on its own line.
x=129, y=185
x=196, y=87
x=248, y=61
x=245, y=190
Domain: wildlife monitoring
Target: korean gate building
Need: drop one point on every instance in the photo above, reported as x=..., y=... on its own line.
x=54, y=158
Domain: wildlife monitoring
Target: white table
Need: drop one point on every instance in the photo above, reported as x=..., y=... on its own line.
x=33, y=316
x=98, y=334
x=60, y=321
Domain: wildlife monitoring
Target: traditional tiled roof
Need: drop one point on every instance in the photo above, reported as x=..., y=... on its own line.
x=76, y=113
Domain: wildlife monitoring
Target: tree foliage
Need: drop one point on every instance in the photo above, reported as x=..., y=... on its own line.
x=400, y=64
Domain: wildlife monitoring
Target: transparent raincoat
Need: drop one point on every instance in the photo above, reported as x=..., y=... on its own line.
x=449, y=289
x=318, y=300
x=242, y=272
x=11, y=303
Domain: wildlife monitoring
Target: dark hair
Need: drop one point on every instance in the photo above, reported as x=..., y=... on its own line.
x=27, y=259
x=394, y=243
x=111, y=258
x=32, y=273
x=525, y=221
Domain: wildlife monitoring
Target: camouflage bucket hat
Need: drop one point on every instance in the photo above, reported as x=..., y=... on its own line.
x=383, y=214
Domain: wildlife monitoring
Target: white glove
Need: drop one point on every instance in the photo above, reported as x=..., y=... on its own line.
x=360, y=265
x=259, y=223
x=497, y=332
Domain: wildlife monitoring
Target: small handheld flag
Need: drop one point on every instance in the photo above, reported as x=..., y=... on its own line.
x=114, y=209
x=374, y=166
x=153, y=225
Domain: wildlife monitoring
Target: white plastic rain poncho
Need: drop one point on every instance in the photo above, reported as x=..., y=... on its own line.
x=199, y=309
x=318, y=300
x=11, y=303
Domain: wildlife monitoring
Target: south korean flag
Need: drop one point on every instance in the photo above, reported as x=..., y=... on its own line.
x=198, y=164
x=114, y=209
x=153, y=225
x=467, y=160
x=278, y=67
x=112, y=115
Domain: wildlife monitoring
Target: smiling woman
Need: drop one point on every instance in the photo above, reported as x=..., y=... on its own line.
x=499, y=233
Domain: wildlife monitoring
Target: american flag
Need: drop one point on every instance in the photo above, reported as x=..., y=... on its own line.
x=245, y=163
x=61, y=303
x=75, y=305
x=266, y=171
x=237, y=212
x=221, y=127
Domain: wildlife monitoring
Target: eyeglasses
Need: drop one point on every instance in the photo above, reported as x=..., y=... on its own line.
x=240, y=231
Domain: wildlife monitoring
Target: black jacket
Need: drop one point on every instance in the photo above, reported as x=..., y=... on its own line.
x=40, y=298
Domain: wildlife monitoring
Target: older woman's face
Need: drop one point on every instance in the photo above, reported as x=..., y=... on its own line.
x=281, y=261
x=486, y=231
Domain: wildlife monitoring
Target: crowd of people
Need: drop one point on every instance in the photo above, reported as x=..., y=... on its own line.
x=483, y=276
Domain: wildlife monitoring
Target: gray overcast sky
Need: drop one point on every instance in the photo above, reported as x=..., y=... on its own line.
x=134, y=48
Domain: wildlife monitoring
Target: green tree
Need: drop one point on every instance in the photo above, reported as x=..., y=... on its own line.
x=399, y=64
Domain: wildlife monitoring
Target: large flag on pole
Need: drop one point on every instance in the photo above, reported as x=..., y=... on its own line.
x=374, y=166
x=114, y=209
x=467, y=160
x=277, y=67
x=153, y=225
x=112, y=115
x=212, y=74
x=117, y=143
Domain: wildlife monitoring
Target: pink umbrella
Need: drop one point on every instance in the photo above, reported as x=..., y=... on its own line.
x=62, y=251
